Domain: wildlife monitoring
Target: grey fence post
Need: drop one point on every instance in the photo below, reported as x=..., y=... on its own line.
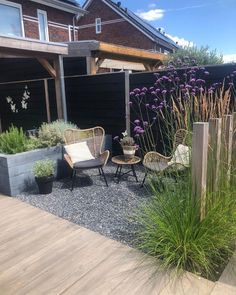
x=199, y=163
x=127, y=106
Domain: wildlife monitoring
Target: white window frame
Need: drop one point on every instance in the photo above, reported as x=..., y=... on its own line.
x=98, y=24
x=19, y=6
x=39, y=11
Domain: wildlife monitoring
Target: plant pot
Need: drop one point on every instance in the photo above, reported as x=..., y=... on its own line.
x=129, y=152
x=45, y=184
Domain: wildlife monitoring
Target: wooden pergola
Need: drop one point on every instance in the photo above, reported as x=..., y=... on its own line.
x=49, y=55
x=96, y=52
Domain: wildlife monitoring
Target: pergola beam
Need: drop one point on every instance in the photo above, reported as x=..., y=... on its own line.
x=46, y=64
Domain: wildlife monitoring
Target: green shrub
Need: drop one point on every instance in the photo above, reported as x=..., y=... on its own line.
x=43, y=168
x=51, y=134
x=171, y=230
x=13, y=141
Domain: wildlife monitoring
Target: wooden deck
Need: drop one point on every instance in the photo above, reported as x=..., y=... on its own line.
x=43, y=254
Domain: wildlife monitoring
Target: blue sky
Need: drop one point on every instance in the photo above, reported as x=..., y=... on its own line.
x=203, y=22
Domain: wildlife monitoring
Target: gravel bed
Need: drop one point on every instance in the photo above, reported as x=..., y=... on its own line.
x=92, y=205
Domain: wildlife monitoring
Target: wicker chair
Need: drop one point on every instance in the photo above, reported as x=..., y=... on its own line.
x=94, y=138
x=155, y=162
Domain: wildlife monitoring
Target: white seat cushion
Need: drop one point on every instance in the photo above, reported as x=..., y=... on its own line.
x=181, y=155
x=79, y=152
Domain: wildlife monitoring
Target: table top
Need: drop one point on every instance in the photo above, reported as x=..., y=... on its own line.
x=121, y=160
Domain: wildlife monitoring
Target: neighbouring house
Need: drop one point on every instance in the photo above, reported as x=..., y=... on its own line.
x=109, y=22
x=45, y=20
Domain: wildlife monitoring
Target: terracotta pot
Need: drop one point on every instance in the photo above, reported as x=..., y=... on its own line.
x=129, y=151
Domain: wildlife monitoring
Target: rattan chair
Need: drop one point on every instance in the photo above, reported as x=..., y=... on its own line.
x=94, y=138
x=157, y=163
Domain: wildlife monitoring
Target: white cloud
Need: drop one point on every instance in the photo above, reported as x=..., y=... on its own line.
x=152, y=14
x=229, y=58
x=181, y=41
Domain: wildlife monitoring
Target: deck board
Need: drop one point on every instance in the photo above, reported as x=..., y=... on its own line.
x=41, y=254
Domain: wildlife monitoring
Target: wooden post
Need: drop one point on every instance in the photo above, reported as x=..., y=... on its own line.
x=234, y=149
x=47, y=100
x=91, y=65
x=228, y=143
x=215, y=128
x=60, y=88
x=127, y=106
x=199, y=163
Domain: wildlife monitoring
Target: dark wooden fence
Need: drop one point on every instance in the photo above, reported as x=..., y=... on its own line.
x=91, y=100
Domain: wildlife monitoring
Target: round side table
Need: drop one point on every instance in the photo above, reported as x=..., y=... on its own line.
x=121, y=161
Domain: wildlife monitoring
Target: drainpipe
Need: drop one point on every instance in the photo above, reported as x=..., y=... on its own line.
x=75, y=19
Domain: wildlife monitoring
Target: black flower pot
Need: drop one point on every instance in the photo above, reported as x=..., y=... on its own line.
x=45, y=184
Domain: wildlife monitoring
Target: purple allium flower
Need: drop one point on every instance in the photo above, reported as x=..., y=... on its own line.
x=181, y=86
x=137, y=122
x=165, y=78
x=142, y=94
x=137, y=146
x=116, y=138
x=136, y=90
x=177, y=79
x=193, y=80
x=147, y=105
x=145, y=124
x=141, y=131
x=136, y=135
x=136, y=128
x=185, y=75
x=132, y=93
x=154, y=118
x=144, y=89
x=153, y=93
x=130, y=103
x=202, y=69
x=164, y=91
x=155, y=99
x=231, y=84
x=137, y=95
x=200, y=81
x=153, y=107
x=151, y=88
x=158, y=90
x=188, y=86
x=206, y=73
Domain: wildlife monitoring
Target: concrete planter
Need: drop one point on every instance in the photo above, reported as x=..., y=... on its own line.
x=16, y=170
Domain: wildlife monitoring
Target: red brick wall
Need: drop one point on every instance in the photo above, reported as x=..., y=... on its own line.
x=122, y=33
x=54, y=15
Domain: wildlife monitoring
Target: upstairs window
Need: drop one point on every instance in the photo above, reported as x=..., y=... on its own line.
x=98, y=25
x=43, y=25
x=11, y=21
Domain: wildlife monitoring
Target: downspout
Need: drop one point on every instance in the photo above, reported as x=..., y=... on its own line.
x=75, y=19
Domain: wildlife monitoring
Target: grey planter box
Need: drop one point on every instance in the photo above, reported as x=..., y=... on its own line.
x=16, y=170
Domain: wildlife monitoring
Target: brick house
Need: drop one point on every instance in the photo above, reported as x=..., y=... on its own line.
x=108, y=21
x=45, y=20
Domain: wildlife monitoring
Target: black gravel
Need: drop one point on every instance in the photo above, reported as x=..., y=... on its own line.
x=92, y=205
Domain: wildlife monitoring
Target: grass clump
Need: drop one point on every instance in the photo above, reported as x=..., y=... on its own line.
x=171, y=230
x=13, y=141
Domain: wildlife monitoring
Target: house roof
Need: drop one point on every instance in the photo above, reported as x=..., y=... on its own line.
x=138, y=22
x=71, y=6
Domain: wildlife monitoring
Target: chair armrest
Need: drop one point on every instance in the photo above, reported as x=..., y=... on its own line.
x=177, y=166
x=104, y=157
x=68, y=160
x=155, y=157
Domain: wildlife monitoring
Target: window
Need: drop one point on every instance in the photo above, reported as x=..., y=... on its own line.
x=11, y=21
x=43, y=25
x=98, y=24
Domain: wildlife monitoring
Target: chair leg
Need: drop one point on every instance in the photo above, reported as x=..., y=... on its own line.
x=134, y=173
x=145, y=176
x=73, y=179
x=99, y=171
x=104, y=176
